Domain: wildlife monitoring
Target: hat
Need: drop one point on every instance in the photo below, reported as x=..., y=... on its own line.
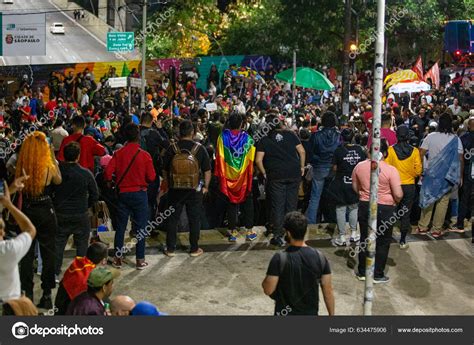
x=146, y=309
x=100, y=276
x=219, y=96
x=403, y=133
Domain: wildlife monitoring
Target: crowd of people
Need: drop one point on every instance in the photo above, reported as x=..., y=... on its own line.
x=244, y=152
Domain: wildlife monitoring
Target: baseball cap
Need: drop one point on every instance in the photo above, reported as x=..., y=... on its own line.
x=146, y=309
x=101, y=275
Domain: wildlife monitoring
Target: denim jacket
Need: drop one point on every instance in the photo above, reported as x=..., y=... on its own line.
x=442, y=175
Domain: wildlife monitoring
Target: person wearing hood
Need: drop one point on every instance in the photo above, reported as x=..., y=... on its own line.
x=323, y=143
x=406, y=159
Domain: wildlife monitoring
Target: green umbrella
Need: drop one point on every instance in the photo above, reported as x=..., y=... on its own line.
x=306, y=77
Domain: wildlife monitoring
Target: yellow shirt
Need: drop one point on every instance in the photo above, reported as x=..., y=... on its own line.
x=409, y=168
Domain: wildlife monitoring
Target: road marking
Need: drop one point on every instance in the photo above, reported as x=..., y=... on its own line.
x=82, y=27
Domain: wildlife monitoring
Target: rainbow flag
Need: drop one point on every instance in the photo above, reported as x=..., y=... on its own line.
x=234, y=164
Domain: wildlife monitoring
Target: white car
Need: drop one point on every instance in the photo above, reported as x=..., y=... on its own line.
x=8, y=2
x=57, y=28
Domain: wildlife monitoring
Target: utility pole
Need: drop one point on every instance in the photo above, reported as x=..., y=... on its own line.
x=143, y=104
x=346, y=61
x=294, y=80
x=375, y=159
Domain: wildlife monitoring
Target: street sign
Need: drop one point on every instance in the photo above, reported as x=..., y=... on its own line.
x=23, y=35
x=115, y=83
x=120, y=41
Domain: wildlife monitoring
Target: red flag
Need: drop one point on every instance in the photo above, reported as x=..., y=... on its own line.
x=433, y=74
x=418, y=68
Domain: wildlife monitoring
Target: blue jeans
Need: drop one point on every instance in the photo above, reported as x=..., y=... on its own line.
x=317, y=187
x=134, y=204
x=341, y=215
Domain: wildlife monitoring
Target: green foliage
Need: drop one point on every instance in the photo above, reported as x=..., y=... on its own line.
x=314, y=27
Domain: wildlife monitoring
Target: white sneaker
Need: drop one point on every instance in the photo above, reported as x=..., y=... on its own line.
x=340, y=241
x=354, y=236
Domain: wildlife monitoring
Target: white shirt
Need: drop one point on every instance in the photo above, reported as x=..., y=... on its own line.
x=435, y=142
x=85, y=100
x=57, y=136
x=11, y=252
x=455, y=109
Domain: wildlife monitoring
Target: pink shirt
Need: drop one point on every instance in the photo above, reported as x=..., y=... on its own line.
x=389, y=180
x=387, y=134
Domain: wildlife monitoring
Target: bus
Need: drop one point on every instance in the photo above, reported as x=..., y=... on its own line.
x=459, y=39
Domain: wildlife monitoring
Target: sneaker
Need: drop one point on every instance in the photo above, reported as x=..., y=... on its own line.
x=355, y=237
x=233, y=236
x=197, y=253
x=340, y=241
x=117, y=263
x=381, y=280
x=403, y=245
x=141, y=264
x=251, y=236
x=360, y=277
x=456, y=229
x=437, y=233
x=46, y=302
x=277, y=242
x=169, y=253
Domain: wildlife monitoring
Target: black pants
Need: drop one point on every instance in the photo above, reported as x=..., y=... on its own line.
x=152, y=194
x=283, y=199
x=43, y=218
x=77, y=225
x=193, y=202
x=465, y=201
x=404, y=209
x=384, y=236
x=247, y=213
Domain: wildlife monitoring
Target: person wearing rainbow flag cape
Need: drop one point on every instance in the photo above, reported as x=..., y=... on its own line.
x=234, y=169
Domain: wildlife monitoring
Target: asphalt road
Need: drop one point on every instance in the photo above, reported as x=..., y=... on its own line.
x=76, y=45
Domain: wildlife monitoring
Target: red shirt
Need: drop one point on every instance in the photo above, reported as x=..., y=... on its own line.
x=26, y=117
x=51, y=105
x=89, y=148
x=140, y=174
x=368, y=115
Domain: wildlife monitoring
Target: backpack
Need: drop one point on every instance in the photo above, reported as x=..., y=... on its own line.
x=184, y=172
